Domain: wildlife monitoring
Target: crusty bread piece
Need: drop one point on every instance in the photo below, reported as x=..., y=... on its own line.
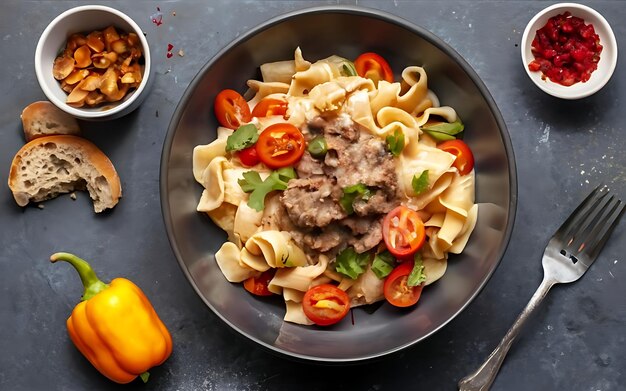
x=42, y=118
x=52, y=165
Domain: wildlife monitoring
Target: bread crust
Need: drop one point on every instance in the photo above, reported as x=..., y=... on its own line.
x=42, y=118
x=87, y=152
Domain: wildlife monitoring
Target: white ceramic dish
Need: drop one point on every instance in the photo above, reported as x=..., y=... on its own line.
x=608, y=57
x=80, y=20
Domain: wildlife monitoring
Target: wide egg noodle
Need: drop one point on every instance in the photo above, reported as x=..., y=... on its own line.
x=436, y=161
x=247, y=221
x=304, y=81
x=415, y=100
x=277, y=248
x=254, y=260
x=366, y=289
x=213, y=182
x=232, y=190
x=283, y=71
x=460, y=241
x=459, y=196
x=203, y=155
x=299, y=278
x=295, y=314
x=265, y=89
x=224, y=217
x=392, y=119
x=445, y=112
x=227, y=258
x=434, y=269
x=357, y=106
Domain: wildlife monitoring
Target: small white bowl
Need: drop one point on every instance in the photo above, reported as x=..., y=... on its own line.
x=608, y=56
x=85, y=19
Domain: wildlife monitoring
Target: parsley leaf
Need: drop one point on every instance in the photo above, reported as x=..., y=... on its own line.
x=252, y=183
x=417, y=275
x=420, y=184
x=245, y=136
x=383, y=264
x=395, y=142
x=443, y=131
x=351, y=194
x=350, y=263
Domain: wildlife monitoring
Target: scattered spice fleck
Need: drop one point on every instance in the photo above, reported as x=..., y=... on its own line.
x=157, y=113
x=41, y=206
x=173, y=13
x=170, y=47
x=169, y=54
x=157, y=17
x=181, y=53
x=611, y=274
x=73, y=196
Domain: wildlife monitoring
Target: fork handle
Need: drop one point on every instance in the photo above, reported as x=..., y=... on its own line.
x=484, y=376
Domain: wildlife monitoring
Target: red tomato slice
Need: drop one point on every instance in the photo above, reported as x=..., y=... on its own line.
x=325, y=304
x=249, y=156
x=464, y=161
x=373, y=66
x=270, y=106
x=396, y=290
x=280, y=145
x=231, y=109
x=403, y=232
x=258, y=285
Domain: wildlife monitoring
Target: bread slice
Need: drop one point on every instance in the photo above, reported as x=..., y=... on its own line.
x=42, y=118
x=52, y=165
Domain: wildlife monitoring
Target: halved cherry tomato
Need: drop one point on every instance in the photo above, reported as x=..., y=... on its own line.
x=258, y=285
x=249, y=156
x=403, y=232
x=464, y=161
x=373, y=66
x=270, y=106
x=280, y=145
x=396, y=290
x=231, y=109
x=325, y=304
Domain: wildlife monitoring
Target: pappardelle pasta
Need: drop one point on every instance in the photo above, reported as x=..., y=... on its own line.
x=337, y=186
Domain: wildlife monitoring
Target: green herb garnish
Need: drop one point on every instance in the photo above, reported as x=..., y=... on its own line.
x=420, y=184
x=351, y=194
x=383, y=264
x=318, y=147
x=245, y=136
x=443, y=131
x=395, y=142
x=350, y=263
x=258, y=189
x=417, y=275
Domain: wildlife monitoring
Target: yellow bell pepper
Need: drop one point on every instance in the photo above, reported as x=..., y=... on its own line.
x=115, y=327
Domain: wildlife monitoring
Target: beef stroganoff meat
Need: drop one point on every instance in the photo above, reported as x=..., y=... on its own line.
x=317, y=219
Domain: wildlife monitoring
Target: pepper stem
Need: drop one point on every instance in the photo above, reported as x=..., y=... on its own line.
x=87, y=275
x=144, y=376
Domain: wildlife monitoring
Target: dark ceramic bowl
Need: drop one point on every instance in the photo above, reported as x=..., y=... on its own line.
x=346, y=31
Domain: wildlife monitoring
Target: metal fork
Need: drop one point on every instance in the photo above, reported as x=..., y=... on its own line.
x=568, y=255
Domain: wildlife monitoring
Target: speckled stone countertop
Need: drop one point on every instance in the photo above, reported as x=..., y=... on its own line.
x=563, y=149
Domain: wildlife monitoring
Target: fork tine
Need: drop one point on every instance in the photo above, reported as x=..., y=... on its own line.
x=574, y=219
x=592, y=220
x=597, y=240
